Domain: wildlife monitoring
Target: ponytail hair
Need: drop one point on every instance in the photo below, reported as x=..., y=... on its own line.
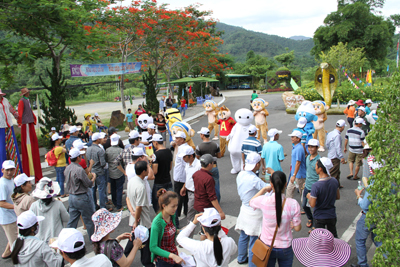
x=278, y=180
x=217, y=246
x=19, y=243
x=18, y=189
x=164, y=198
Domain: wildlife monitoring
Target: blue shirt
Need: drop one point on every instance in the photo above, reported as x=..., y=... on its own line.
x=129, y=117
x=248, y=184
x=312, y=175
x=298, y=154
x=70, y=141
x=364, y=202
x=367, y=110
x=251, y=144
x=7, y=216
x=272, y=153
x=325, y=191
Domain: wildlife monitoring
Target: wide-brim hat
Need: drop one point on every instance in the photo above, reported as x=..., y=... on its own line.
x=1, y=93
x=24, y=91
x=104, y=222
x=360, y=102
x=351, y=102
x=321, y=249
x=46, y=188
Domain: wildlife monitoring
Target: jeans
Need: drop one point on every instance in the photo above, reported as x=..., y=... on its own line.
x=145, y=254
x=117, y=187
x=245, y=244
x=215, y=176
x=60, y=178
x=156, y=187
x=362, y=233
x=78, y=206
x=182, y=110
x=161, y=263
x=283, y=255
x=182, y=201
x=103, y=128
x=101, y=182
x=306, y=209
x=329, y=223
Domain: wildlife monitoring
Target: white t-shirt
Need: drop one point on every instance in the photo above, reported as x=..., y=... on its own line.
x=190, y=170
x=130, y=173
x=100, y=260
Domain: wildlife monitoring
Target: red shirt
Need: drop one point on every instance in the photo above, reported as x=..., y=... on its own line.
x=183, y=103
x=82, y=163
x=168, y=242
x=226, y=126
x=204, y=190
x=139, y=112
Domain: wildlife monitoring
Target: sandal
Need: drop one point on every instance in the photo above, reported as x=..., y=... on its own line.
x=309, y=224
x=349, y=176
x=356, y=178
x=302, y=212
x=309, y=232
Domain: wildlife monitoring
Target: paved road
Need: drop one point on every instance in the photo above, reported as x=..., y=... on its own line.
x=347, y=209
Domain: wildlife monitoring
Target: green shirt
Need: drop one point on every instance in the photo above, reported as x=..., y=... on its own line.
x=253, y=96
x=157, y=232
x=311, y=174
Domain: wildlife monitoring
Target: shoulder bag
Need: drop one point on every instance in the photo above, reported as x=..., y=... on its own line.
x=261, y=251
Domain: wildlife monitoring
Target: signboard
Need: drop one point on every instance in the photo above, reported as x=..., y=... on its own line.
x=79, y=70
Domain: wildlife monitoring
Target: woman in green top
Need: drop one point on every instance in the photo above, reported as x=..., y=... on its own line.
x=163, y=231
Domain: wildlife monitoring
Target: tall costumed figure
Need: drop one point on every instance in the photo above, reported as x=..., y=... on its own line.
x=8, y=141
x=29, y=143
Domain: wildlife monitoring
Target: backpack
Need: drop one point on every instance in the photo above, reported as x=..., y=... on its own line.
x=51, y=158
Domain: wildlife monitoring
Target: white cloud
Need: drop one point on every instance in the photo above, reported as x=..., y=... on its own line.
x=284, y=18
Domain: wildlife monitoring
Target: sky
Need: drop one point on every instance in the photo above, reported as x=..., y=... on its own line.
x=279, y=17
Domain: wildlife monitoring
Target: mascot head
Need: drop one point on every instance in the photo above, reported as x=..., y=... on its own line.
x=223, y=113
x=183, y=127
x=244, y=116
x=320, y=107
x=210, y=105
x=259, y=104
x=306, y=110
x=144, y=120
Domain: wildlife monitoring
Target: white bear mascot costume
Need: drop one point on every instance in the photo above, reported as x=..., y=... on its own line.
x=239, y=133
x=144, y=120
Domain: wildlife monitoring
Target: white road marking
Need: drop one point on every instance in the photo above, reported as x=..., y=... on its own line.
x=47, y=173
x=348, y=234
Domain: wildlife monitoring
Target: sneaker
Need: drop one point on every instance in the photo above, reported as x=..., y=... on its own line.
x=244, y=262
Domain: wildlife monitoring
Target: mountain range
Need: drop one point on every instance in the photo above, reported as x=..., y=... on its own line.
x=238, y=41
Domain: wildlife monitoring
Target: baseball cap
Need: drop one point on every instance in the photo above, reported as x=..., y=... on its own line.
x=313, y=142
x=204, y=130
x=327, y=164
x=79, y=144
x=252, y=129
x=360, y=120
x=272, y=132
x=74, y=129
x=8, y=164
x=368, y=101
x=28, y=219
x=296, y=133
x=210, y=217
x=55, y=137
x=207, y=159
x=114, y=139
x=187, y=150
x=251, y=161
x=133, y=134
x=302, y=122
x=340, y=123
x=96, y=114
x=157, y=138
x=180, y=134
x=361, y=108
x=96, y=136
x=74, y=153
x=53, y=128
x=67, y=239
x=138, y=151
x=21, y=179
x=151, y=126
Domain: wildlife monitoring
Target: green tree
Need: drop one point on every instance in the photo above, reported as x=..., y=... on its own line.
x=286, y=58
x=256, y=66
x=357, y=26
x=340, y=55
x=384, y=212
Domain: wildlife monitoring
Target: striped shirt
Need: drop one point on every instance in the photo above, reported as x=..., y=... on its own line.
x=291, y=213
x=251, y=144
x=355, y=137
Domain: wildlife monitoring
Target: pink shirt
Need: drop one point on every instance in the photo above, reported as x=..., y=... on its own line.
x=291, y=212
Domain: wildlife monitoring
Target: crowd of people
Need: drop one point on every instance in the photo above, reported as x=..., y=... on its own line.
x=94, y=161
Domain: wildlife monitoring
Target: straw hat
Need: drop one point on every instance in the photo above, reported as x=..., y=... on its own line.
x=24, y=91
